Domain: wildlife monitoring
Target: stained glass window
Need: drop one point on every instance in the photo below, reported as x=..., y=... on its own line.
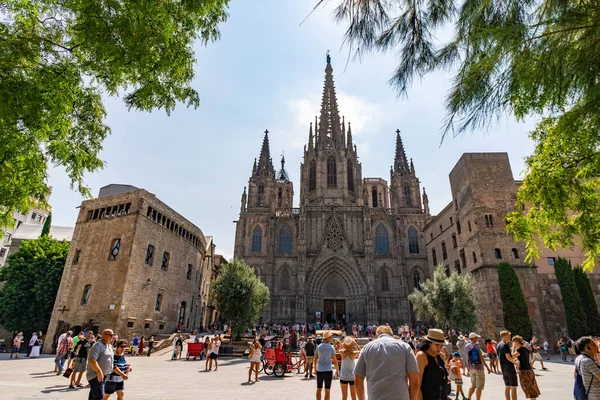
x=257, y=239
x=413, y=240
x=331, y=172
x=285, y=239
x=312, y=176
x=382, y=240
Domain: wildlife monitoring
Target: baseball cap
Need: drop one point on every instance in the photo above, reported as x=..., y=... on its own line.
x=473, y=335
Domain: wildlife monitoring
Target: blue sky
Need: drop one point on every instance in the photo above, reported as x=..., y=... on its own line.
x=266, y=71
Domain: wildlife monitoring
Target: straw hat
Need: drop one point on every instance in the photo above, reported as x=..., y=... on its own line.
x=435, y=336
x=327, y=335
x=348, y=342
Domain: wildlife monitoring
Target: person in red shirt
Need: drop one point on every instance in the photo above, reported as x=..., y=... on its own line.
x=492, y=355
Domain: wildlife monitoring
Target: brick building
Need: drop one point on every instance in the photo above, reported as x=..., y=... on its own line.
x=469, y=235
x=135, y=265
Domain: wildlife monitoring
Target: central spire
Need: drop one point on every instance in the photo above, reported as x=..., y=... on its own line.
x=265, y=163
x=329, y=132
x=400, y=160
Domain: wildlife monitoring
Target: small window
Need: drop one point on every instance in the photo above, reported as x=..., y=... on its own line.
x=165, y=261
x=457, y=266
x=38, y=218
x=158, y=305
x=434, y=257
x=417, y=280
x=498, y=254
x=87, y=292
x=161, y=326
x=147, y=325
x=374, y=197
x=7, y=237
x=444, y=252
x=458, y=230
x=474, y=258
x=2, y=251
x=76, y=257
x=489, y=220
x=114, y=249
x=515, y=253
x=130, y=324
x=469, y=226
x=385, y=280
x=441, y=228
x=454, y=243
x=33, y=215
x=551, y=260
x=451, y=221
x=431, y=236
x=189, y=272
x=150, y=255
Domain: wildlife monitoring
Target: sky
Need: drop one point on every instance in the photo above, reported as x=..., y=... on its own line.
x=267, y=72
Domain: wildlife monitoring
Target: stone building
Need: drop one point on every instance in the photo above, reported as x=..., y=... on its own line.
x=469, y=235
x=353, y=249
x=35, y=217
x=135, y=265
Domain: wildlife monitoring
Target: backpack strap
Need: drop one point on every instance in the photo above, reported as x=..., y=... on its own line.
x=580, y=372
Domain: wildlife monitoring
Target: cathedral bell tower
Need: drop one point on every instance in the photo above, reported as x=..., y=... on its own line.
x=405, y=186
x=330, y=172
x=261, y=186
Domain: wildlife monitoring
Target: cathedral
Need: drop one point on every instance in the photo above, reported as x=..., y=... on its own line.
x=353, y=249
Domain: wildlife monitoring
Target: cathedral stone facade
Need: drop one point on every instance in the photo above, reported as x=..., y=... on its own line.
x=353, y=250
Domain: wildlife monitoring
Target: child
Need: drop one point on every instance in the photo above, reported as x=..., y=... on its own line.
x=455, y=368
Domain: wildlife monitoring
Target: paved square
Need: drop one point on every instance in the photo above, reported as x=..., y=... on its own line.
x=157, y=377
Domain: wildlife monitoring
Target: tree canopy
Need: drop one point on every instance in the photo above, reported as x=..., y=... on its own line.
x=523, y=58
x=446, y=299
x=57, y=59
x=239, y=295
x=514, y=308
x=31, y=279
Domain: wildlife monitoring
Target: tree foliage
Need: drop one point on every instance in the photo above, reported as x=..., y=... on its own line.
x=47, y=225
x=525, y=58
x=56, y=60
x=446, y=299
x=588, y=300
x=239, y=295
x=31, y=279
x=514, y=308
x=576, y=319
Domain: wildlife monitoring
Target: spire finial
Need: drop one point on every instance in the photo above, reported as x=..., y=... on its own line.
x=400, y=162
x=328, y=58
x=265, y=163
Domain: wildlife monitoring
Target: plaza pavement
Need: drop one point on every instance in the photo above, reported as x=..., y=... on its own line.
x=157, y=377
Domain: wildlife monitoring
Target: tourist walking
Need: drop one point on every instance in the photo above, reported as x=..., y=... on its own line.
x=150, y=345
x=570, y=348
x=535, y=353
x=100, y=364
x=492, y=356
x=309, y=349
x=546, y=352
x=586, y=367
x=455, y=367
x=349, y=352
x=526, y=374
x=141, y=346
x=134, y=345
x=255, y=360
x=80, y=360
x=16, y=345
x=433, y=375
x=562, y=347
x=507, y=365
x=461, y=343
x=35, y=350
x=214, y=353
x=477, y=363
x=31, y=342
x=324, y=357
x=115, y=381
x=386, y=363
x=65, y=347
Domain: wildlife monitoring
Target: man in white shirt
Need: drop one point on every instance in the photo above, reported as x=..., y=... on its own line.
x=214, y=353
x=546, y=352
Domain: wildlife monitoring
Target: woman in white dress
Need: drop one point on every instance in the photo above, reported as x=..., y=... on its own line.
x=255, y=355
x=35, y=350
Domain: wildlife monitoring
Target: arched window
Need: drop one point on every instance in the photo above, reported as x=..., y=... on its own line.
x=350, y=176
x=285, y=239
x=87, y=292
x=284, y=279
x=374, y=196
x=165, y=261
x=331, y=172
x=498, y=253
x=454, y=242
x=515, y=253
x=261, y=193
x=417, y=279
x=444, y=252
x=382, y=240
x=312, y=176
x=189, y=272
x=413, y=240
x=385, y=280
x=474, y=258
x=407, y=194
x=150, y=255
x=257, y=239
x=182, y=308
x=279, y=197
x=434, y=257
x=114, y=249
x=158, y=302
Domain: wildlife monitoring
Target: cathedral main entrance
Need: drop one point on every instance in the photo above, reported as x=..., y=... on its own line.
x=335, y=311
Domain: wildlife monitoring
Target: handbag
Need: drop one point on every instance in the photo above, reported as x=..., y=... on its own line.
x=68, y=372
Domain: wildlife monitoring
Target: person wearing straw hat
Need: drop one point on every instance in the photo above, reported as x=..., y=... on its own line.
x=432, y=369
x=349, y=351
x=386, y=363
x=325, y=356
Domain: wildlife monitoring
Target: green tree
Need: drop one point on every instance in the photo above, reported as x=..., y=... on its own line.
x=588, y=300
x=525, y=58
x=31, y=279
x=239, y=295
x=576, y=319
x=47, y=225
x=56, y=60
x=514, y=308
x=446, y=299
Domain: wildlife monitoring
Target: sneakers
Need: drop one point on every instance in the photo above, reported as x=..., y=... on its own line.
x=59, y=372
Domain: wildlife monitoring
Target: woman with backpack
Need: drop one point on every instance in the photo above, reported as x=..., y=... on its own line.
x=525, y=372
x=587, y=384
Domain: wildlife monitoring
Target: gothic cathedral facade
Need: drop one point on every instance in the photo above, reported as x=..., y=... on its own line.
x=353, y=250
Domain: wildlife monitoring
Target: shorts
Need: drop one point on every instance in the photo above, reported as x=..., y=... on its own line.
x=111, y=387
x=536, y=356
x=492, y=356
x=343, y=382
x=80, y=364
x=324, y=377
x=214, y=356
x=96, y=389
x=510, y=379
x=309, y=359
x=458, y=381
x=477, y=378
x=16, y=349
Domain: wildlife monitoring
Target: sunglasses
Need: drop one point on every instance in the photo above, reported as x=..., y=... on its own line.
x=122, y=347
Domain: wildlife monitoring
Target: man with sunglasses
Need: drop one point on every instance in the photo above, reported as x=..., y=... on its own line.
x=101, y=359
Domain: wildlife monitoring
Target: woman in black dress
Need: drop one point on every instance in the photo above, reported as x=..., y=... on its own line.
x=432, y=367
x=526, y=374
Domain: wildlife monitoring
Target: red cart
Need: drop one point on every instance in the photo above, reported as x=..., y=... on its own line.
x=194, y=350
x=275, y=362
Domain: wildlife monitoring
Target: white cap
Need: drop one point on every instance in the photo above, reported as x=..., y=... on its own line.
x=473, y=335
